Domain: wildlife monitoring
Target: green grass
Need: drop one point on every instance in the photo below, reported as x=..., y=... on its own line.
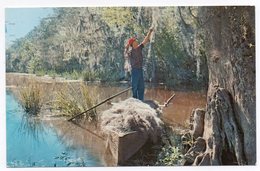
x=72, y=100
x=75, y=75
x=52, y=73
x=172, y=152
x=170, y=156
x=31, y=99
x=89, y=76
x=40, y=73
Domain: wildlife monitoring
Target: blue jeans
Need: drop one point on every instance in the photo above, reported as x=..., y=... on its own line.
x=138, y=83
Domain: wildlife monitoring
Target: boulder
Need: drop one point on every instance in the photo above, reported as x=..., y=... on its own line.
x=131, y=123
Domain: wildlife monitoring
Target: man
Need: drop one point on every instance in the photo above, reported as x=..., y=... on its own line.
x=136, y=60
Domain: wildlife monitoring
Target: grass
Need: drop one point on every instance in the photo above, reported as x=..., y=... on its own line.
x=40, y=73
x=75, y=75
x=72, y=100
x=172, y=152
x=170, y=156
x=52, y=74
x=167, y=153
x=67, y=98
x=89, y=76
x=31, y=98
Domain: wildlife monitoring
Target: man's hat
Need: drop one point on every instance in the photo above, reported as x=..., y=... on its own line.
x=131, y=40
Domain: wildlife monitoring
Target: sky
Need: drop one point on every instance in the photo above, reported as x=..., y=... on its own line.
x=20, y=21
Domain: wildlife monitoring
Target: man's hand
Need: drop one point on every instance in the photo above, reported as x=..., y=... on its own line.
x=147, y=37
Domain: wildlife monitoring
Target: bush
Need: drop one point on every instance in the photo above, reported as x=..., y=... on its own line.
x=75, y=75
x=71, y=100
x=40, y=72
x=31, y=99
x=89, y=76
x=52, y=73
x=170, y=156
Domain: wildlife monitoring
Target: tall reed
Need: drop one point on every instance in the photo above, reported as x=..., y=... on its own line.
x=74, y=99
x=31, y=98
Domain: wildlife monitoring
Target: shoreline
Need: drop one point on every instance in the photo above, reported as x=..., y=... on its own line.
x=59, y=79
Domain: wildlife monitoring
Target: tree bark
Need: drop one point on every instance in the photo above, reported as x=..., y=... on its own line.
x=230, y=118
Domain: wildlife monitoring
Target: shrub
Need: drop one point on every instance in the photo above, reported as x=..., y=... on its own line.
x=31, y=99
x=40, y=72
x=52, y=73
x=170, y=156
x=89, y=76
x=71, y=100
x=75, y=75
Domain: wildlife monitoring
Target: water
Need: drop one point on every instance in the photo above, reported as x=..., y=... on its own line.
x=56, y=142
x=32, y=142
x=177, y=113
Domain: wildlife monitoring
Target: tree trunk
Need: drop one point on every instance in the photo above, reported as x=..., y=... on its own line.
x=230, y=118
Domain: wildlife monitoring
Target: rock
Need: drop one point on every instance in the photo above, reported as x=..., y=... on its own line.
x=132, y=115
x=153, y=104
x=197, y=149
x=198, y=123
x=131, y=123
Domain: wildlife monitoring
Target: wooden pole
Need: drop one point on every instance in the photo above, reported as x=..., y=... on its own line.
x=168, y=101
x=104, y=101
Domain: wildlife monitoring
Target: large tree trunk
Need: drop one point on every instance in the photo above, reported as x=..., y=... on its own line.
x=230, y=118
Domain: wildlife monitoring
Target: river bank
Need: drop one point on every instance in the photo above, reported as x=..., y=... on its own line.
x=175, y=115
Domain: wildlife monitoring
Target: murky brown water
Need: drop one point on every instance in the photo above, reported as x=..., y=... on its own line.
x=177, y=113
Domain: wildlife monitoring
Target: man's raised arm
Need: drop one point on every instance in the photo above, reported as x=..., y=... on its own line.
x=147, y=37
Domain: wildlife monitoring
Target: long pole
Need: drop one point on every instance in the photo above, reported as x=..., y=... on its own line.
x=104, y=101
x=168, y=101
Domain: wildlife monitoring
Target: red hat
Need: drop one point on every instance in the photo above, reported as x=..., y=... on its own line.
x=131, y=40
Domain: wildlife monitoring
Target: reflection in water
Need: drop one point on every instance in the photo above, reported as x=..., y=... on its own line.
x=56, y=142
x=32, y=127
x=176, y=114
x=32, y=142
x=82, y=136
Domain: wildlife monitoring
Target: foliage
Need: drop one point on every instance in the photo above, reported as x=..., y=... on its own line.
x=117, y=16
x=188, y=140
x=71, y=100
x=89, y=43
x=40, y=72
x=75, y=75
x=31, y=99
x=170, y=156
x=89, y=76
